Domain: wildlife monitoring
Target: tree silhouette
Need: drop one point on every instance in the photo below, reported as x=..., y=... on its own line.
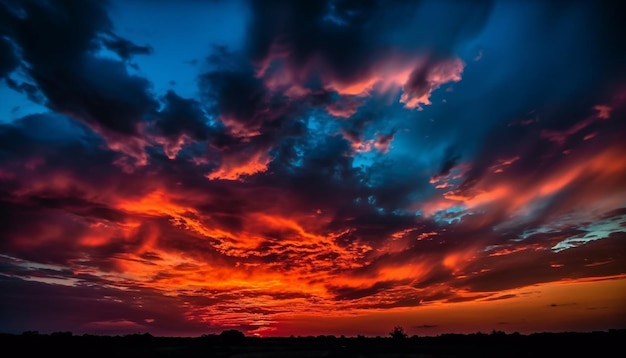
x=398, y=333
x=232, y=336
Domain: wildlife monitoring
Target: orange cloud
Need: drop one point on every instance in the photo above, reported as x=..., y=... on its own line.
x=416, y=78
x=604, y=111
x=593, y=174
x=559, y=137
x=417, y=93
x=345, y=107
x=234, y=168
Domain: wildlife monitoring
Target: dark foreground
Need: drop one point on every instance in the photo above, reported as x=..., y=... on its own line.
x=610, y=343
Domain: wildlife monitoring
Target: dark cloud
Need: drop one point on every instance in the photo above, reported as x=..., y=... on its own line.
x=349, y=293
x=55, y=35
x=124, y=48
x=451, y=159
x=503, y=297
x=569, y=263
x=237, y=95
x=349, y=37
x=31, y=91
x=182, y=116
x=101, y=92
x=70, y=308
x=8, y=59
x=59, y=44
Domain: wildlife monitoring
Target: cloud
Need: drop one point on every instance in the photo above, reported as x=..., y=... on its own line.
x=8, y=60
x=236, y=167
x=125, y=48
x=119, y=311
x=559, y=137
x=425, y=79
x=62, y=61
x=426, y=326
x=348, y=55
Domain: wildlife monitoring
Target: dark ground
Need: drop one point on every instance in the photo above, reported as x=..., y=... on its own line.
x=610, y=343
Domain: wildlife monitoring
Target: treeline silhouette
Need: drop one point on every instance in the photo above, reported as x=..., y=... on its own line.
x=233, y=343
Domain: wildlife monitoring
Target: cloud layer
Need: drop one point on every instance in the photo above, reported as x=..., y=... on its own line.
x=348, y=159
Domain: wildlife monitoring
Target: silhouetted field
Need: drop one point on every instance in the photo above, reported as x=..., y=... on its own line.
x=233, y=344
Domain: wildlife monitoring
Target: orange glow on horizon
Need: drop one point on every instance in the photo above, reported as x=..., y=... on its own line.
x=559, y=306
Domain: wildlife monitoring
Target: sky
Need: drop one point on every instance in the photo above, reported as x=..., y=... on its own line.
x=312, y=167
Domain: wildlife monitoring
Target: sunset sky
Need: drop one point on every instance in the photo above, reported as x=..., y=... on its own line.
x=312, y=167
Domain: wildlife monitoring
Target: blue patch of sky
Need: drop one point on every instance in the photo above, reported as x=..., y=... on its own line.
x=364, y=160
x=181, y=35
x=15, y=105
x=34, y=271
x=451, y=215
x=539, y=230
x=597, y=230
x=320, y=125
